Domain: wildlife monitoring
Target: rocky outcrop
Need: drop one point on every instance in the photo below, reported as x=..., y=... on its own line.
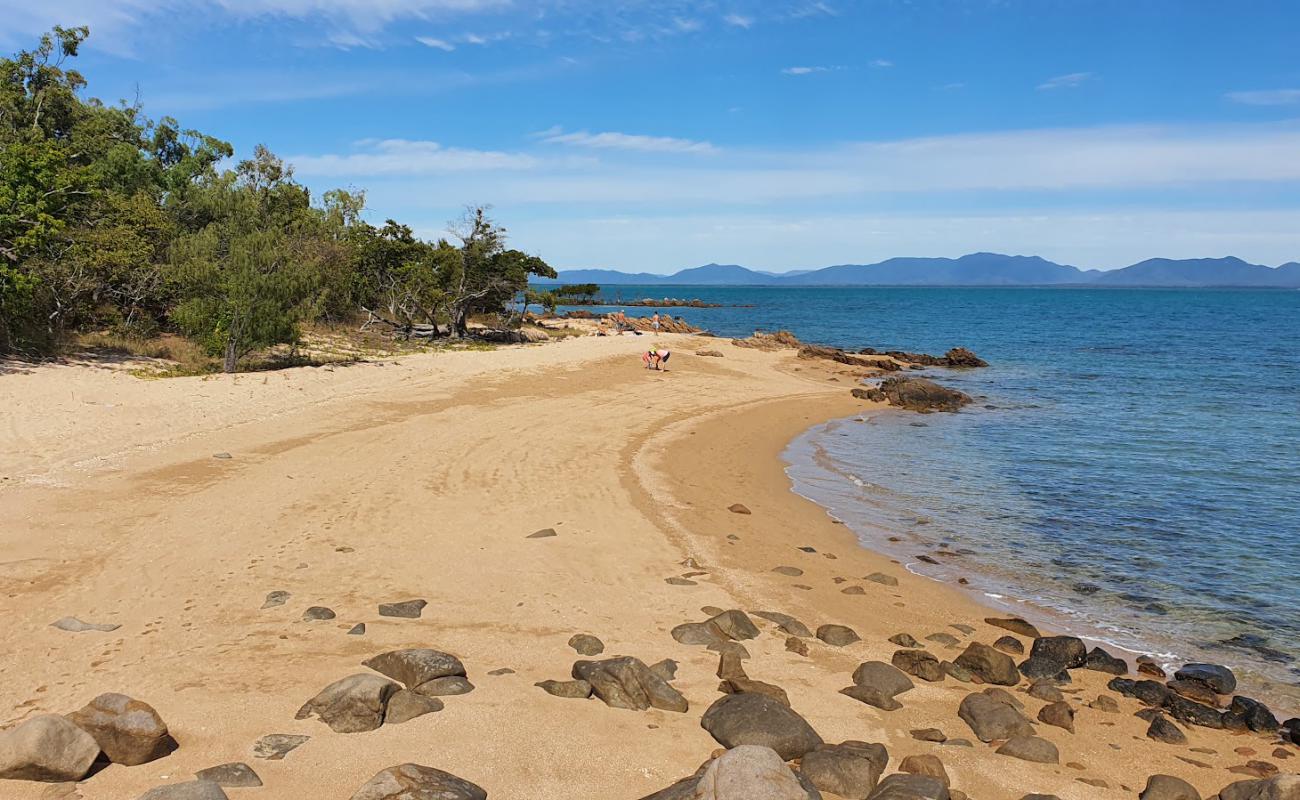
x=1168, y=787
x=46, y=748
x=737, y=719
x=129, y=731
x=915, y=394
x=957, y=357
x=416, y=782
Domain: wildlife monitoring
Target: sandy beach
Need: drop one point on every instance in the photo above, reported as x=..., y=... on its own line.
x=423, y=477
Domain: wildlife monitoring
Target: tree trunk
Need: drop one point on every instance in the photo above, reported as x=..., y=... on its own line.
x=232, y=355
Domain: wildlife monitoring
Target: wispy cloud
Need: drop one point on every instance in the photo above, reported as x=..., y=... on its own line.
x=1070, y=81
x=804, y=70
x=623, y=141
x=408, y=157
x=437, y=44
x=739, y=21
x=882, y=63
x=1266, y=97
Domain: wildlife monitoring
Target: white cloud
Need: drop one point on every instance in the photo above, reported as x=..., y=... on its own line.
x=1069, y=81
x=407, y=157
x=1266, y=97
x=803, y=70
x=624, y=141
x=687, y=24
x=882, y=63
x=440, y=44
x=739, y=21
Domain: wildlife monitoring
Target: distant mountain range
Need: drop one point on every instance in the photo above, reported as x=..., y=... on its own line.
x=976, y=269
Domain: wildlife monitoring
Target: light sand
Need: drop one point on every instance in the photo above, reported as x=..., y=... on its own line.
x=421, y=479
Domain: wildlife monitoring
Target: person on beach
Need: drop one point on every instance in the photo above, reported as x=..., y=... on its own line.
x=654, y=321
x=655, y=359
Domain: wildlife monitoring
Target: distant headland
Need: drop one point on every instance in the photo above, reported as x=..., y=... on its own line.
x=975, y=269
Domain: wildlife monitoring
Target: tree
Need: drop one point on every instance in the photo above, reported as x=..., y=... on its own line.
x=586, y=292
x=483, y=275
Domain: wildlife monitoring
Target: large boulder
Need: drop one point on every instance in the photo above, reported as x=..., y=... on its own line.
x=1248, y=714
x=626, y=682
x=850, y=769
x=989, y=664
x=737, y=719
x=910, y=787
x=749, y=772
x=1068, y=651
x=416, y=782
x=877, y=683
x=1030, y=748
x=1278, y=787
x=1102, y=661
x=1014, y=624
x=46, y=748
x=190, y=790
x=416, y=666
x=1218, y=678
x=991, y=719
x=919, y=663
x=838, y=635
x=786, y=623
x=353, y=704
x=1168, y=787
x=735, y=625
x=920, y=394
x=129, y=731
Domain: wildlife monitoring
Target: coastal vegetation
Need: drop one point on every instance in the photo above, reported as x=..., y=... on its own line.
x=129, y=227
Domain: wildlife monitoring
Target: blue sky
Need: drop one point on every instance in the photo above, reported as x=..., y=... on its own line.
x=659, y=134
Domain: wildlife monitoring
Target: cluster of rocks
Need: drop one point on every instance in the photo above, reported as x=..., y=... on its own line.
x=365, y=701
x=957, y=357
x=914, y=394
x=622, y=682
x=1199, y=694
x=112, y=727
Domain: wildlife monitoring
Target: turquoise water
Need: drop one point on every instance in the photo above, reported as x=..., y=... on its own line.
x=1132, y=466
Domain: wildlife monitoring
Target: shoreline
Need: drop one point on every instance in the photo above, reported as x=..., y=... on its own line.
x=423, y=479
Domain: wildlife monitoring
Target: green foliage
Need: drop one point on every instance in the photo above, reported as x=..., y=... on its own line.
x=585, y=292
x=112, y=221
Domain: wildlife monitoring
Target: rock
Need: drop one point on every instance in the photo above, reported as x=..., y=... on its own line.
x=1059, y=714
x=1167, y=787
x=994, y=667
x=676, y=581
x=919, y=663
x=882, y=579
x=443, y=687
x=731, y=665
x=1009, y=644
x=666, y=669
x=1280, y=787
x=1184, y=710
x=47, y=748
x=796, y=645
x=586, y=644
x=904, y=640
x=1218, y=678
x=742, y=684
x=838, y=635
x=962, y=627
x=1044, y=669
x=925, y=765
x=357, y=630
x=921, y=394
x=574, y=690
x=276, y=598
x=1105, y=703
x=77, y=626
x=1151, y=693
x=737, y=719
x=737, y=508
x=1014, y=624
x=1195, y=691
x=961, y=357
x=191, y=790
x=854, y=590
x=928, y=735
x=990, y=719
x=275, y=746
x=544, y=533
x=792, y=572
x=1291, y=730
x=353, y=704
x=626, y=682
x=872, y=697
x=1030, y=748
x=877, y=684
x=416, y=782
x=709, y=353
x=415, y=667
x=749, y=772
x=910, y=787
x=705, y=633
x=407, y=609
x=850, y=769
x=318, y=613
x=1162, y=730
x=129, y=731
x=785, y=622
x=728, y=646
x=1148, y=666
x=1046, y=691
x=735, y=625
x=1245, y=713
x=1101, y=661
x=405, y=705
x=1068, y=651
x=235, y=775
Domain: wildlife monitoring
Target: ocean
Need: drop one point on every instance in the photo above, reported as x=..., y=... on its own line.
x=1130, y=471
